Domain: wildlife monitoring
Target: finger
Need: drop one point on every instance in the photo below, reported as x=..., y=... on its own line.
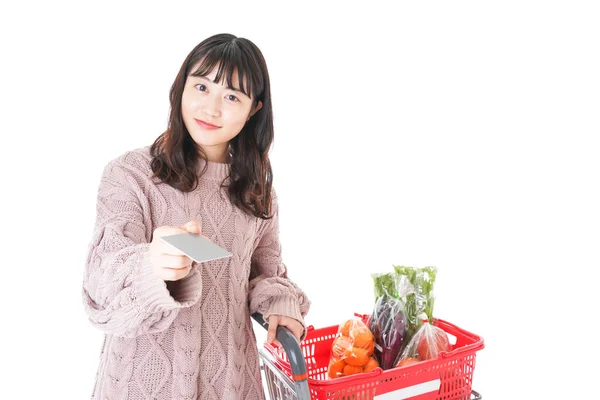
x=170, y=274
x=297, y=334
x=294, y=331
x=173, y=261
x=163, y=247
x=272, y=332
x=192, y=226
x=169, y=249
x=168, y=231
x=293, y=325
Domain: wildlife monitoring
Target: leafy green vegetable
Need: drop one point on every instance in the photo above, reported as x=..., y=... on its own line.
x=414, y=286
x=384, y=284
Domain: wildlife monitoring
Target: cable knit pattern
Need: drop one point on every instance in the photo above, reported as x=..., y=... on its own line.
x=193, y=338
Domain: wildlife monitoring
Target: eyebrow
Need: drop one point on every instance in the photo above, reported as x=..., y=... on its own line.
x=228, y=87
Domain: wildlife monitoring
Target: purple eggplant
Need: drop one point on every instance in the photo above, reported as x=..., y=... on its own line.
x=389, y=329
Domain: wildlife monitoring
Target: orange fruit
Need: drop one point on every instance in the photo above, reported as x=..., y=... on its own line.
x=371, y=348
x=336, y=369
x=341, y=346
x=371, y=365
x=363, y=338
x=345, y=331
x=352, y=327
x=352, y=369
x=357, y=357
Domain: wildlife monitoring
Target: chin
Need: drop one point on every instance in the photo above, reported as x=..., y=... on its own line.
x=207, y=139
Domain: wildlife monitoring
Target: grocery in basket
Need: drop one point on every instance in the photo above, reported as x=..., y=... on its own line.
x=398, y=351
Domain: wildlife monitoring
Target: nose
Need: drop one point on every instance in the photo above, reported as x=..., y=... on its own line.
x=212, y=106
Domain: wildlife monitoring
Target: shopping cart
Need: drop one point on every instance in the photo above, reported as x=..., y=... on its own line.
x=301, y=372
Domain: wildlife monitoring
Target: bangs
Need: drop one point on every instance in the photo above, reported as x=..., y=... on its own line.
x=230, y=58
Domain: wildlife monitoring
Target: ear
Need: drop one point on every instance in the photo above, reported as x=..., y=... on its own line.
x=258, y=107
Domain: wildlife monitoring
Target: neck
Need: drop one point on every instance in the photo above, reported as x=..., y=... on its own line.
x=214, y=170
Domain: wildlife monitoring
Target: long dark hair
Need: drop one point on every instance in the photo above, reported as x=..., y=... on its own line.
x=175, y=155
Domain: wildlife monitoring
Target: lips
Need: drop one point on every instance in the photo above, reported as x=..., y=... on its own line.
x=206, y=125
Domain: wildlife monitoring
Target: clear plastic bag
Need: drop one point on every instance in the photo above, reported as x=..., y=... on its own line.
x=425, y=344
x=388, y=321
x=352, y=350
x=414, y=286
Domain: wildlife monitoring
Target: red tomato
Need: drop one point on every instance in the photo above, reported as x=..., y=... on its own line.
x=407, y=361
x=429, y=349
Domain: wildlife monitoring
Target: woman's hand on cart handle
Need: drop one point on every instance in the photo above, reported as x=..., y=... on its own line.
x=293, y=325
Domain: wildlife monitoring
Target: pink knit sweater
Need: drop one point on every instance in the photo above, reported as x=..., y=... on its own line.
x=193, y=338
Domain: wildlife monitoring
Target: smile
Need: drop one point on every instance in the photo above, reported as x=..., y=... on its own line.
x=206, y=125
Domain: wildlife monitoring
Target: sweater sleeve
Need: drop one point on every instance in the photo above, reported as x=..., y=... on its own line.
x=121, y=293
x=271, y=291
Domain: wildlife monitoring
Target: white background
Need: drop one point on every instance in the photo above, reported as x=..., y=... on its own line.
x=456, y=134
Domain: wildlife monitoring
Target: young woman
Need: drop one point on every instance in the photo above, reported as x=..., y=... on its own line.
x=174, y=328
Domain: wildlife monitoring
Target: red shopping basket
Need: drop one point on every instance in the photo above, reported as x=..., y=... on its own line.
x=450, y=376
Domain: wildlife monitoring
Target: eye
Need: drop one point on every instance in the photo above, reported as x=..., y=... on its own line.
x=203, y=86
x=232, y=98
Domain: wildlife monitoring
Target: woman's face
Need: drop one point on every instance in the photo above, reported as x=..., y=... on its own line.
x=224, y=109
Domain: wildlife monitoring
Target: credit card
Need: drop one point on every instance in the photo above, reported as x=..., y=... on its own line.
x=196, y=247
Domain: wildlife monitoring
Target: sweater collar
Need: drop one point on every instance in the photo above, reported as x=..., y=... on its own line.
x=215, y=170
